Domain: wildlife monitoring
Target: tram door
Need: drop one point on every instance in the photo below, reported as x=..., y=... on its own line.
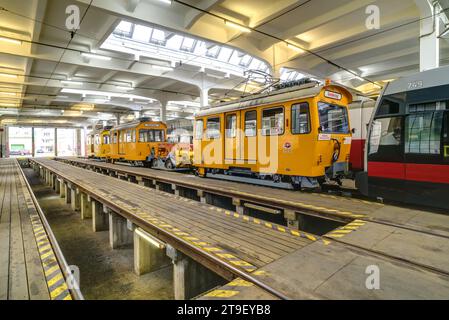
x=248, y=150
x=233, y=138
x=121, y=142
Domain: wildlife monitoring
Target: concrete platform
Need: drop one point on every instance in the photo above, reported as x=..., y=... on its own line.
x=29, y=269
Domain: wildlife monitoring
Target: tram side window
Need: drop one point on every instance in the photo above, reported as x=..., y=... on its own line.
x=199, y=129
x=385, y=132
x=106, y=139
x=231, y=126
x=114, y=138
x=128, y=136
x=446, y=136
x=157, y=135
x=388, y=106
x=273, y=122
x=251, y=123
x=133, y=135
x=213, y=128
x=143, y=134
x=300, y=118
x=423, y=133
x=97, y=139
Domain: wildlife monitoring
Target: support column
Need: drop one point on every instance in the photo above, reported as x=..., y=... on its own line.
x=119, y=234
x=57, y=185
x=100, y=221
x=86, y=206
x=189, y=277
x=75, y=199
x=204, y=97
x=292, y=219
x=68, y=194
x=163, y=111
x=62, y=189
x=430, y=29
x=56, y=142
x=238, y=206
x=149, y=254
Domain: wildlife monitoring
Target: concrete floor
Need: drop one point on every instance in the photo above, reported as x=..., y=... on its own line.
x=104, y=273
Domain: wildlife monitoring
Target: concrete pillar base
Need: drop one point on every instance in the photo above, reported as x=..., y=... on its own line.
x=148, y=257
x=68, y=194
x=75, y=200
x=61, y=189
x=86, y=206
x=100, y=221
x=190, y=278
x=119, y=234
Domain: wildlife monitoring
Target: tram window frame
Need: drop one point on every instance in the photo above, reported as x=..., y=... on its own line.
x=233, y=129
x=128, y=136
x=161, y=132
x=293, y=120
x=114, y=138
x=106, y=139
x=133, y=135
x=251, y=120
x=327, y=131
x=434, y=130
x=214, y=136
x=388, y=152
x=283, y=121
x=143, y=135
x=198, y=134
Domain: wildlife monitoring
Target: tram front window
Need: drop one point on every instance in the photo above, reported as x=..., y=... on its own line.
x=151, y=136
x=333, y=118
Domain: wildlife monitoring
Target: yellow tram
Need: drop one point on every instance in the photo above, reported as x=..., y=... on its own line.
x=98, y=143
x=139, y=142
x=299, y=135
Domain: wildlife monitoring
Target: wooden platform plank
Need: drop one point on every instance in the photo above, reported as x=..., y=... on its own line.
x=4, y=230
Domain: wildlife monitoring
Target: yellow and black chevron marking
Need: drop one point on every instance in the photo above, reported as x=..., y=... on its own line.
x=229, y=290
x=342, y=231
x=273, y=226
x=222, y=254
x=56, y=283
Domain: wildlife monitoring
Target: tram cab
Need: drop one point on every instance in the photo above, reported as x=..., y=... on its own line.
x=407, y=152
x=102, y=146
x=299, y=135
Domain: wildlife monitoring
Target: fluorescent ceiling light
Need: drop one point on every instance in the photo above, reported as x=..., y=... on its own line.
x=237, y=26
x=8, y=75
x=123, y=88
x=8, y=93
x=72, y=82
x=294, y=47
x=95, y=56
x=8, y=104
x=10, y=40
x=165, y=1
x=104, y=93
x=162, y=68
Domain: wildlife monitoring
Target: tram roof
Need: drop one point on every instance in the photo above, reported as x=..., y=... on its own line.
x=306, y=90
x=421, y=80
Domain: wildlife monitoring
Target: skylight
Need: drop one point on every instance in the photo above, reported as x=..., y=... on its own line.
x=175, y=47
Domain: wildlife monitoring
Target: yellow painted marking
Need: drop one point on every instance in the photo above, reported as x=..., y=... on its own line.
x=259, y=273
x=241, y=263
x=269, y=225
x=46, y=255
x=342, y=231
x=240, y=283
x=335, y=235
x=246, y=218
x=310, y=237
x=228, y=213
x=55, y=293
x=212, y=249
x=236, y=215
x=350, y=228
x=191, y=238
x=256, y=221
x=281, y=229
x=222, y=293
x=225, y=255
x=326, y=242
x=44, y=248
x=181, y=234
x=68, y=297
x=200, y=243
x=51, y=270
x=295, y=233
x=55, y=279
